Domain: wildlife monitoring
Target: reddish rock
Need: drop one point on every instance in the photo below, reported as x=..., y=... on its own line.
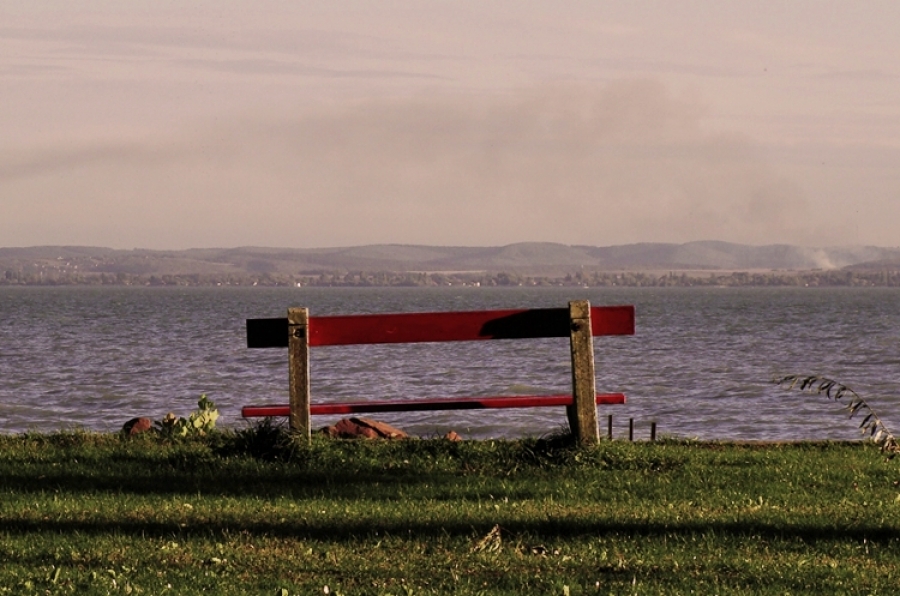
x=354, y=428
x=453, y=436
x=136, y=426
x=347, y=429
x=384, y=430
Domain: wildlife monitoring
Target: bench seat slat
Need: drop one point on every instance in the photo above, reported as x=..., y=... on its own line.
x=448, y=403
x=440, y=326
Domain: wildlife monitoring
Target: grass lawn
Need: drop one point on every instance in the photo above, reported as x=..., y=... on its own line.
x=253, y=513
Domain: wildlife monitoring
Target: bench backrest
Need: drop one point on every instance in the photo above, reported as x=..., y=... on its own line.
x=440, y=326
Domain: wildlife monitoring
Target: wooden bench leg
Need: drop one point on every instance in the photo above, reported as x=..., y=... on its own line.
x=582, y=413
x=298, y=367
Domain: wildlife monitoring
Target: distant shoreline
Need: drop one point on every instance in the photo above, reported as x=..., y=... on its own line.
x=524, y=264
x=589, y=279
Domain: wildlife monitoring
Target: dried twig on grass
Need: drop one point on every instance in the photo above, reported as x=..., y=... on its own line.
x=490, y=543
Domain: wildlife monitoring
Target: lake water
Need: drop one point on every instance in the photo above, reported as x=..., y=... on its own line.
x=700, y=364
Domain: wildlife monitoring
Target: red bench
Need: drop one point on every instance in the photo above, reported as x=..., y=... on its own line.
x=579, y=322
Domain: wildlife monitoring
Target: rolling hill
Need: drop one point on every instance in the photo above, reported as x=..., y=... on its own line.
x=546, y=259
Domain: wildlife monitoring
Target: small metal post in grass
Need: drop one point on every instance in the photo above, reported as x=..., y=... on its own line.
x=609, y=427
x=631, y=429
x=652, y=431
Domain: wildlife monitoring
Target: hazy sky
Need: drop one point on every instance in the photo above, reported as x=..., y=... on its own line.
x=184, y=124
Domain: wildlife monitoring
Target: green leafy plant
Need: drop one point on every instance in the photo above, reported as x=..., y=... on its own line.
x=871, y=423
x=199, y=423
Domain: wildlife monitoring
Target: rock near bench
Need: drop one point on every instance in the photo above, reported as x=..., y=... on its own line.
x=363, y=428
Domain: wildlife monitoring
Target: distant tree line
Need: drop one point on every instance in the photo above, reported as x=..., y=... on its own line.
x=47, y=276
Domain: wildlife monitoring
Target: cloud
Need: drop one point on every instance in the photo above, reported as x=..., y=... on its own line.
x=263, y=67
x=622, y=162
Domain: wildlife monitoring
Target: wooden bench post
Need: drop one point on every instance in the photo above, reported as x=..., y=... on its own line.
x=298, y=366
x=582, y=413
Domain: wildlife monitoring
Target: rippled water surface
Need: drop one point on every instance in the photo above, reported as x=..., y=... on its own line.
x=700, y=364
